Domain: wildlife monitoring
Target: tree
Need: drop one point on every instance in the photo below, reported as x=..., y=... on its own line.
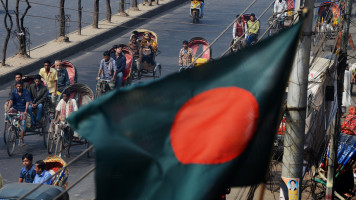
x=96, y=14
x=134, y=5
x=79, y=17
x=122, y=8
x=108, y=11
x=62, y=28
x=7, y=27
x=21, y=30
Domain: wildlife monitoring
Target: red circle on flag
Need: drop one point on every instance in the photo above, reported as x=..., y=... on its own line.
x=215, y=126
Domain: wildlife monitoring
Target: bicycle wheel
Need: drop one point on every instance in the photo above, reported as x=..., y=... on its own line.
x=44, y=131
x=11, y=141
x=59, y=147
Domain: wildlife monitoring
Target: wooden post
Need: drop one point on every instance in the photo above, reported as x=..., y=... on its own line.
x=108, y=11
x=155, y=2
x=134, y=5
x=149, y=2
x=96, y=14
x=79, y=17
x=122, y=9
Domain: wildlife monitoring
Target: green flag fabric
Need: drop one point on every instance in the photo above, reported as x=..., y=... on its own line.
x=190, y=134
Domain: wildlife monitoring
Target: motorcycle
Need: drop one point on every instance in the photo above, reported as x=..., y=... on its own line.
x=196, y=8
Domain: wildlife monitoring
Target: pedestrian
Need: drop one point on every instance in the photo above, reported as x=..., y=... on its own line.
x=120, y=61
x=38, y=95
x=186, y=56
x=108, y=69
x=41, y=174
x=27, y=172
x=62, y=76
x=50, y=76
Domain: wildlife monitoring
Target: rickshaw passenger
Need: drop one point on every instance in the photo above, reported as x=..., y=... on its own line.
x=50, y=76
x=147, y=50
x=135, y=47
x=20, y=100
x=27, y=172
x=120, y=61
x=108, y=69
x=254, y=27
x=41, y=174
x=186, y=55
x=62, y=75
x=18, y=77
x=38, y=95
x=239, y=27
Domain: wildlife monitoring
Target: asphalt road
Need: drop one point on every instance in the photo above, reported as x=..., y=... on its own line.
x=178, y=27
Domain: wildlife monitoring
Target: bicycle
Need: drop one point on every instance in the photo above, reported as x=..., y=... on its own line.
x=13, y=131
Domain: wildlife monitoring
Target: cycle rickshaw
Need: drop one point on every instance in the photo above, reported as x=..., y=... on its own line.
x=63, y=138
x=12, y=122
x=148, y=69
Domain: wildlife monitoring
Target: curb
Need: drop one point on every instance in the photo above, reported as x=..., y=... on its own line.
x=91, y=41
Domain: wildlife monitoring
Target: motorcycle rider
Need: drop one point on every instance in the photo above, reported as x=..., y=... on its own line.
x=253, y=29
x=279, y=7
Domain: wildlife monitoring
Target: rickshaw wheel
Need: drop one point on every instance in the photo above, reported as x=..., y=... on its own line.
x=44, y=130
x=90, y=152
x=157, y=72
x=6, y=126
x=59, y=147
x=50, y=142
x=11, y=141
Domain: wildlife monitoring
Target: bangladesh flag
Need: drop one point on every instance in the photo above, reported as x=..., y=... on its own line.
x=190, y=134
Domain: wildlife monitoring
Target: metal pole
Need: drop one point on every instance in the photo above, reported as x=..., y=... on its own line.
x=340, y=82
x=292, y=168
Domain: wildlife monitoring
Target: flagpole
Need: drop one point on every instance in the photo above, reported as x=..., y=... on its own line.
x=292, y=168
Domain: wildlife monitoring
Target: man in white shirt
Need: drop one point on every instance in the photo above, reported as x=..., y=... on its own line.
x=279, y=7
x=64, y=108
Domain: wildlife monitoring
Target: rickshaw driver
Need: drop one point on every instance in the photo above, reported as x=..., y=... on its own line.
x=253, y=29
x=20, y=99
x=135, y=47
x=38, y=95
x=18, y=77
x=120, y=61
x=108, y=69
x=65, y=107
x=279, y=7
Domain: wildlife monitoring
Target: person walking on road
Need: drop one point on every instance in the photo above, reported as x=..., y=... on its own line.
x=38, y=95
x=50, y=76
x=186, y=56
x=27, y=173
x=41, y=174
